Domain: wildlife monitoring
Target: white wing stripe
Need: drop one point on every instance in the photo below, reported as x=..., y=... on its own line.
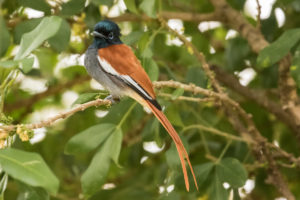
x=109, y=69
x=132, y=82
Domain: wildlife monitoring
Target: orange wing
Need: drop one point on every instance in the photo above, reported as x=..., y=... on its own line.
x=123, y=60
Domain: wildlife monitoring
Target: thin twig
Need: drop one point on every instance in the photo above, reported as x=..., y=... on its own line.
x=51, y=120
x=218, y=132
x=185, y=98
x=258, y=25
x=195, y=51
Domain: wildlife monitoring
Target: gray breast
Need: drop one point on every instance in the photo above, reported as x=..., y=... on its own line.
x=114, y=85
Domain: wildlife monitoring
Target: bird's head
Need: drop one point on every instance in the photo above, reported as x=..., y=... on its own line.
x=106, y=33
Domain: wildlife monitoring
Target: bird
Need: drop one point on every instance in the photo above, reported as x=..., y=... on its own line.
x=114, y=65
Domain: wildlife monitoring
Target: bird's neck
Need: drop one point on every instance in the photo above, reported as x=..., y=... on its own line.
x=102, y=43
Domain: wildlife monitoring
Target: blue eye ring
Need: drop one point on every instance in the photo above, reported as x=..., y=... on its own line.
x=110, y=35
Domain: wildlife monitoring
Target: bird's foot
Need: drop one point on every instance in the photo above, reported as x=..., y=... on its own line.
x=112, y=99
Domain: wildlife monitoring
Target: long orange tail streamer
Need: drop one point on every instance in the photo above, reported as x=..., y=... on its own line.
x=180, y=148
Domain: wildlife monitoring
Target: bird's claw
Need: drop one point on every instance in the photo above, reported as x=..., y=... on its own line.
x=112, y=99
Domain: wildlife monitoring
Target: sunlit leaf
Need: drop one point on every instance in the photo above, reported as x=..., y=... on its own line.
x=47, y=60
x=24, y=27
x=24, y=64
x=131, y=6
x=46, y=29
x=61, y=39
x=148, y=6
x=29, y=168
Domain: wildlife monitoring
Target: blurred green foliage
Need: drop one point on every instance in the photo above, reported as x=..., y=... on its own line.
x=100, y=153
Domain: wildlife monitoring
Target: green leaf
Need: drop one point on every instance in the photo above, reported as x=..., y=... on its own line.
x=29, y=168
x=115, y=145
x=170, y=196
x=74, y=71
x=4, y=72
x=237, y=4
x=131, y=6
x=103, y=2
x=92, y=15
x=148, y=6
x=72, y=7
x=236, y=195
x=237, y=50
x=218, y=192
x=178, y=92
x=203, y=171
x=47, y=60
x=172, y=113
x=230, y=170
x=143, y=45
x=89, y=139
x=24, y=64
x=151, y=68
x=94, y=177
x=41, y=5
x=46, y=29
x=197, y=76
x=172, y=158
x=3, y=183
x=32, y=193
x=83, y=98
x=295, y=68
x=278, y=49
x=132, y=37
x=24, y=27
x=4, y=37
x=117, y=112
x=60, y=40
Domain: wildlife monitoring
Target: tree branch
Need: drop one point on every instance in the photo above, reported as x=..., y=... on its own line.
x=64, y=115
x=185, y=16
x=185, y=98
x=260, y=98
x=258, y=25
x=260, y=148
x=27, y=103
x=287, y=85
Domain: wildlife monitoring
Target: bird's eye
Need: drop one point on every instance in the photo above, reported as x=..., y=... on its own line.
x=111, y=35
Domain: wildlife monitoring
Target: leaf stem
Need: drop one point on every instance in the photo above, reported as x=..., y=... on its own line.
x=224, y=150
x=126, y=115
x=217, y=132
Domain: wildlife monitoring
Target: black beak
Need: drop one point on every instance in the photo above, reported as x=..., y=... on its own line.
x=97, y=34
